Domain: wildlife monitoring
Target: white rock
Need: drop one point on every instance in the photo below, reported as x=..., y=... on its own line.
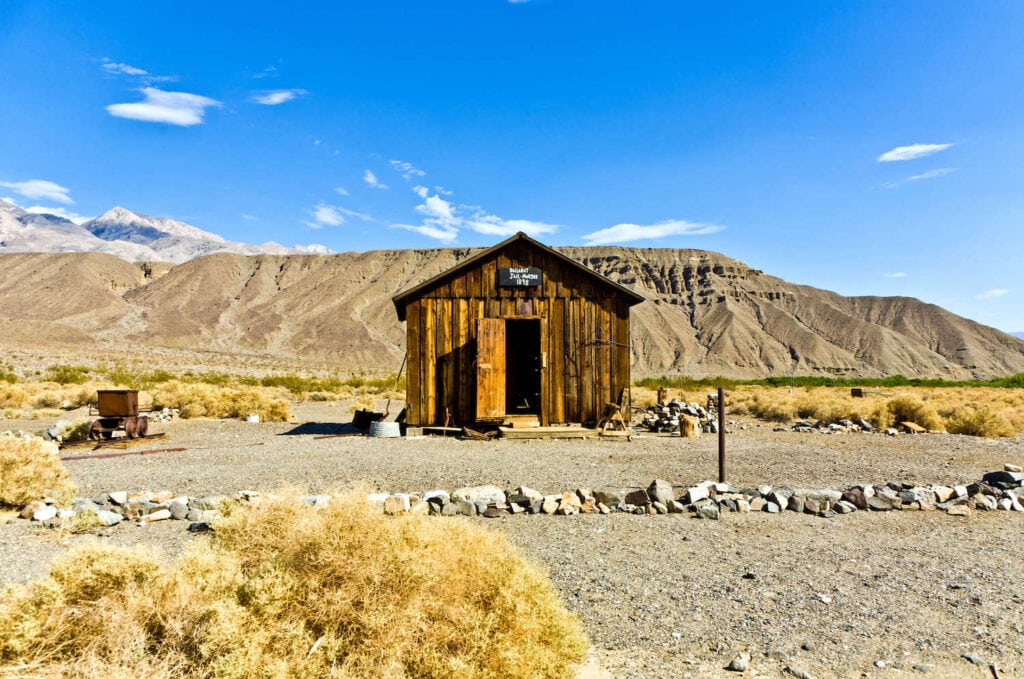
x=1007, y=467
x=376, y=498
x=109, y=518
x=159, y=515
x=442, y=494
x=118, y=497
x=698, y=493
x=45, y=513
x=65, y=513
x=488, y=494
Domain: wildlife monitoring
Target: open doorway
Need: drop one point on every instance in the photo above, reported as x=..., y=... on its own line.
x=523, y=366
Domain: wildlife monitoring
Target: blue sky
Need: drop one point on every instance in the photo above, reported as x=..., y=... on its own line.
x=871, y=148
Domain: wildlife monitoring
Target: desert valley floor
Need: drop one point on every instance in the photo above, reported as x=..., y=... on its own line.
x=872, y=594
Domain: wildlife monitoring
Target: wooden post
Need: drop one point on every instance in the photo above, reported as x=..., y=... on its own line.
x=721, y=435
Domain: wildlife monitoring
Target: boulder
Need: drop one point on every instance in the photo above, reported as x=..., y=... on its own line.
x=109, y=518
x=696, y=494
x=855, y=497
x=882, y=503
x=396, y=504
x=637, y=497
x=607, y=498
x=661, y=491
x=550, y=504
x=486, y=494
x=44, y=513
x=437, y=497
x=708, y=510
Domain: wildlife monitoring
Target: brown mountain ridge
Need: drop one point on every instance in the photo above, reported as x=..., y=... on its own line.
x=705, y=314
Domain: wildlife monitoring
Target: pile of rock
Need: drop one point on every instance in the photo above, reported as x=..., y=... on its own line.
x=823, y=427
x=849, y=426
x=665, y=417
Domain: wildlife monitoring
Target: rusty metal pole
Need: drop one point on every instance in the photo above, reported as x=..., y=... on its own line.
x=721, y=435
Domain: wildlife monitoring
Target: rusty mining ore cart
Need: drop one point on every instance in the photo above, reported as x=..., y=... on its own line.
x=118, y=410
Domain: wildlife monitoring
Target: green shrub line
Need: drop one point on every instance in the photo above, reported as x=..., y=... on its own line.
x=683, y=382
x=138, y=378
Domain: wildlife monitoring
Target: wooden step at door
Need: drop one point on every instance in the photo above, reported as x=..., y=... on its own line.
x=522, y=421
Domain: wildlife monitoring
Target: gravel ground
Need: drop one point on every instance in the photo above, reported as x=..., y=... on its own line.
x=663, y=596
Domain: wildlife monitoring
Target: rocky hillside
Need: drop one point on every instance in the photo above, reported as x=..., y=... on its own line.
x=706, y=314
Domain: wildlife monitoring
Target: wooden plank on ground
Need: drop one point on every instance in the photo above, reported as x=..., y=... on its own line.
x=547, y=433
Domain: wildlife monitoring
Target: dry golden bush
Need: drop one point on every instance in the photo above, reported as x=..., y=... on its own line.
x=47, y=395
x=284, y=590
x=978, y=411
x=30, y=469
x=980, y=421
x=206, y=400
x=906, y=409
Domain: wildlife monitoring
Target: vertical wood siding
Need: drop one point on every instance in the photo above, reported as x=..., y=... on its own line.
x=584, y=337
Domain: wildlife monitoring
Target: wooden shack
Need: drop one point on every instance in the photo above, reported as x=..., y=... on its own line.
x=516, y=330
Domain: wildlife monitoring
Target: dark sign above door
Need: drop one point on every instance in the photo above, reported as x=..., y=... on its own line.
x=519, y=277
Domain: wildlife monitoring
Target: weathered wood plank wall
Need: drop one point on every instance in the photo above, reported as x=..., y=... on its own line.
x=585, y=338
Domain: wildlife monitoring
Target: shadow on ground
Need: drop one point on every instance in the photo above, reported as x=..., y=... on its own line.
x=322, y=429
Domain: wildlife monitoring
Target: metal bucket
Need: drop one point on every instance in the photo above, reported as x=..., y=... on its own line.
x=385, y=430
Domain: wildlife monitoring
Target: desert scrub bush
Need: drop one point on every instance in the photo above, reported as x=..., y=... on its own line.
x=283, y=589
x=14, y=395
x=204, y=400
x=906, y=409
x=30, y=469
x=67, y=374
x=980, y=421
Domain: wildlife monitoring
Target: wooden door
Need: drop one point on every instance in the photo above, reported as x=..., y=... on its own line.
x=490, y=368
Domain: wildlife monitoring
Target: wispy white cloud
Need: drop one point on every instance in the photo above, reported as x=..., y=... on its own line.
x=118, y=68
x=341, y=191
x=268, y=72
x=440, y=233
x=497, y=226
x=911, y=152
x=992, y=294
x=58, y=212
x=930, y=174
x=325, y=215
x=276, y=97
x=407, y=169
x=249, y=218
x=40, y=189
x=896, y=274
x=124, y=69
x=174, y=108
x=371, y=180
x=443, y=220
x=358, y=215
x=622, y=233
x=443, y=191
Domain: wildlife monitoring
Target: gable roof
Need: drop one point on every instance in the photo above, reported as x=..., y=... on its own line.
x=402, y=298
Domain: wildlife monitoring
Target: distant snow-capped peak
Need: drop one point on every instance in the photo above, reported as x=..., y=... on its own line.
x=121, y=224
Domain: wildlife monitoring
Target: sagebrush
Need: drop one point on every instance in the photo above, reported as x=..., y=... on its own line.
x=284, y=590
x=30, y=469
